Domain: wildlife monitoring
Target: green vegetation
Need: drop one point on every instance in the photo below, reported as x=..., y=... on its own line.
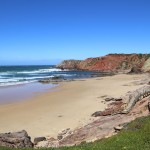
x=146, y=56
x=135, y=136
x=140, y=55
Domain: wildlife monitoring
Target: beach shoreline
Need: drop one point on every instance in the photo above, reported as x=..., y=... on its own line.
x=48, y=113
x=22, y=92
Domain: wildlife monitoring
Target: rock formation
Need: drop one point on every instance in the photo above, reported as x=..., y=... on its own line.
x=16, y=140
x=146, y=66
x=69, y=64
x=130, y=99
x=111, y=63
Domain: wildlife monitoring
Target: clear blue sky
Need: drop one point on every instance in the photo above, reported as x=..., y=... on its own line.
x=47, y=31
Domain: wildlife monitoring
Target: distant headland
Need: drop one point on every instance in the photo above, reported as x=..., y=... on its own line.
x=111, y=62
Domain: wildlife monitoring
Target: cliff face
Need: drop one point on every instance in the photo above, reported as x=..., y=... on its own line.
x=69, y=64
x=146, y=66
x=111, y=62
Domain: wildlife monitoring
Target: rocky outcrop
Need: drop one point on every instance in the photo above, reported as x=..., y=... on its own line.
x=16, y=140
x=114, y=108
x=69, y=64
x=131, y=98
x=49, y=142
x=108, y=63
x=54, y=80
x=146, y=66
x=125, y=104
x=39, y=139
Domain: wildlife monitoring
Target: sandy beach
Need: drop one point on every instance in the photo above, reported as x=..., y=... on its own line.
x=69, y=105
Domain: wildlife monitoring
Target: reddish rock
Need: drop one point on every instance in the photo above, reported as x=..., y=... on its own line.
x=110, y=63
x=114, y=108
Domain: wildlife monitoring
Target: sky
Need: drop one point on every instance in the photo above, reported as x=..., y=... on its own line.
x=48, y=31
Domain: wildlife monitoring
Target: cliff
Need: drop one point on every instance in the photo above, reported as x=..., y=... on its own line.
x=111, y=62
x=146, y=66
x=69, y=64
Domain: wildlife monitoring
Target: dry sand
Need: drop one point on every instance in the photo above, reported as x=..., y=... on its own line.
x=69, y=105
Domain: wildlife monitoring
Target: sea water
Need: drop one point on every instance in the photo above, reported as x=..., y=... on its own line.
x=16, y=75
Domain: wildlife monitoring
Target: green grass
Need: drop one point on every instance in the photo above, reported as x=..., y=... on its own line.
x=135, y=136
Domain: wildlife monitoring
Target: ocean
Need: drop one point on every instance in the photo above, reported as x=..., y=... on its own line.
x=15, y=75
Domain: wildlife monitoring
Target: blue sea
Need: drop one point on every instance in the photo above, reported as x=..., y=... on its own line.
x=15, y=75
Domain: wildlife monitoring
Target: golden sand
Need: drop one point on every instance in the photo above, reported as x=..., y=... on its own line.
x=69, y=105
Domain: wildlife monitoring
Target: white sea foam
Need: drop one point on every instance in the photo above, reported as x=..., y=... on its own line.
x=32, y=72
x=6, y=80
x=40, y=71
x=40, y=77
x=66, y=75
x=6, y=73
x=15, y=83
x=14, y=78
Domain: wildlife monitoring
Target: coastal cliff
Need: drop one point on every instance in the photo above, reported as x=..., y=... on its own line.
x=69, y=64
x=110, y=62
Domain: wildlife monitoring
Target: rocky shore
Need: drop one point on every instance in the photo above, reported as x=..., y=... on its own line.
x=16, y=140
x=60, y=79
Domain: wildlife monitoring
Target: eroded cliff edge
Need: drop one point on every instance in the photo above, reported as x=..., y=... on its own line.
x=110, y=63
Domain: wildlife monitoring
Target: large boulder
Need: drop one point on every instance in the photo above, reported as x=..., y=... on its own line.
x=51, y=142
x=16, y=140
x=39, y=139
x=146, y=66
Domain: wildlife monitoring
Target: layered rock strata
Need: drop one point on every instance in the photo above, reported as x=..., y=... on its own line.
x=110, y=63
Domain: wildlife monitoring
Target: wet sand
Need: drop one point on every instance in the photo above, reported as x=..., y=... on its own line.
x=69, y=105
x=18, y=93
